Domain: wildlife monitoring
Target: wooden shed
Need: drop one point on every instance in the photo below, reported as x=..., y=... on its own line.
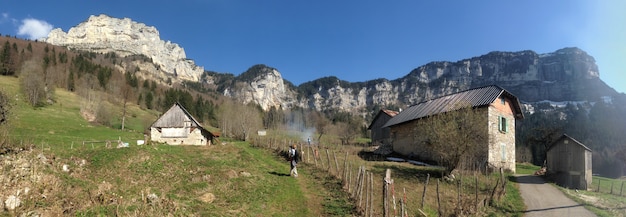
x=177, y=127
x=379, y=133
x=568, y=163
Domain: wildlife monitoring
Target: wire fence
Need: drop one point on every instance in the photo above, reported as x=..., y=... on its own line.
x=376, y=194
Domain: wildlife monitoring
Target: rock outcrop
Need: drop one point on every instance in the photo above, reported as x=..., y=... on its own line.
x=263, y=86
x=104, y=34
x=568, y=74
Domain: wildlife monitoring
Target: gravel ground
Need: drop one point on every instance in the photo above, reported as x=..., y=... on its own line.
x=543, y=199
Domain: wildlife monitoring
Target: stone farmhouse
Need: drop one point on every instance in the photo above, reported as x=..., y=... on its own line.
x=568, y=163
x=379, y=134
x=499, y=108
x=178, y=127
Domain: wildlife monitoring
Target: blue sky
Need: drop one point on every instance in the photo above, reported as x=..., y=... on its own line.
x=353, y=40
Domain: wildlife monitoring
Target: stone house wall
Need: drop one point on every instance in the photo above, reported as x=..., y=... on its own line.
x=499, y=148
x=195, y=137
x=501, y=141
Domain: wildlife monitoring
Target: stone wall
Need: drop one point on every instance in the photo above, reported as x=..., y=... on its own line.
x=498, y=149
x=194, y=137
x=501, y=143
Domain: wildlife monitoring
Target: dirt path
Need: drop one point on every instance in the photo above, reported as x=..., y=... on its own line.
x=314, y=199
x=543, y=199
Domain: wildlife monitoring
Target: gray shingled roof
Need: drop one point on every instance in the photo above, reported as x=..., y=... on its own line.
x=565, y=136
x=477, y=97
x=175, y=117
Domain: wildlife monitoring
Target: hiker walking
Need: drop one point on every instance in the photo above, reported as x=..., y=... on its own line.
x=293, y=160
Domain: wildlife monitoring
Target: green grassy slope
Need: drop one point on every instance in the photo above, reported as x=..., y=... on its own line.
x=59, y=125
x=150, y=180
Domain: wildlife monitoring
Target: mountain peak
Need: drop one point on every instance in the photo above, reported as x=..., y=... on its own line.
x=104, y=34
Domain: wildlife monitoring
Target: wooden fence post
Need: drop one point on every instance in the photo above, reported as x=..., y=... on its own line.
x=345, y=167
x=438, y=200
x=367, y=195
x=458, y=205
x=336, y=164
x=371, y=193
x=476, y=191
x=386, y=183
x=599, y=180
x=328, y=157
x=620, y=189
x=349, y=178
x=424, y=192
x=361, y=181
x=315, y=156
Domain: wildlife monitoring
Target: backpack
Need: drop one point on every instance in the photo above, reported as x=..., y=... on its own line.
x=295, y=156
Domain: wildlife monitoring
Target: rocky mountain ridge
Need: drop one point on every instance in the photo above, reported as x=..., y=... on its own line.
x=104, y=34
x=568, y=74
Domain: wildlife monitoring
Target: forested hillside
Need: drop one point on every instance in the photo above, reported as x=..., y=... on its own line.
x=42, y=67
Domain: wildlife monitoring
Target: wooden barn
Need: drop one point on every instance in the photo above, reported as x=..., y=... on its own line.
x=498, y=108
x=377, y=132
x=568, y=163
x=178, y=127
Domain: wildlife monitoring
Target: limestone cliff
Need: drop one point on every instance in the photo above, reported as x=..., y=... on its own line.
x=104, y=34
x=263, y=86
x=568, y=74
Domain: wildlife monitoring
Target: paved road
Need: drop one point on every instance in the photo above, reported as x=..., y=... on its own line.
x=543, y=199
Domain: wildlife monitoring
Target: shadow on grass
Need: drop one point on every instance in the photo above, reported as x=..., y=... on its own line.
x=527, y=179
x=409, y=172
x=370, y=156
x=279, y=174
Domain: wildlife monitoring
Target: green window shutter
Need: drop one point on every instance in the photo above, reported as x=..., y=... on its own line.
x=502, y=125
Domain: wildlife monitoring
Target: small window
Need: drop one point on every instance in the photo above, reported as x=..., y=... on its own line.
x=502, y=100
x=502, y=125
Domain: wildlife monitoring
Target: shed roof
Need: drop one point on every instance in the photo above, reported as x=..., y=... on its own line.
x=476, y=97
x=565, y=136
x=388, y=112
x=176, y=117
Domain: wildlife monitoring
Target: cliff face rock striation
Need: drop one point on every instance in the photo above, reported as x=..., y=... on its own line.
x=263, y=86
x=103, y=34
x=568, y=74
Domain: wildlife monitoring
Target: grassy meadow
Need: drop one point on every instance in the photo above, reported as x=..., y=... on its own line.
x=65, y=176
x=57, y=175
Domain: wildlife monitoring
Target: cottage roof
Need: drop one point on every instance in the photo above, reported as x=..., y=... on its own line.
x=565, y=136
x=476, y=97
x=388, y=112
x=176, y=116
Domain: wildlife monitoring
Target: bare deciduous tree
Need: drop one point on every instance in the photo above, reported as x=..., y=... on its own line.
x=239, y=120
x=32, y=83
x=454, y=136
x=346, y=132
x=321, y=124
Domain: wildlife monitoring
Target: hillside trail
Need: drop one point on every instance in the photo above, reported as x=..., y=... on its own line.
x=307, y=184
x=543, y=199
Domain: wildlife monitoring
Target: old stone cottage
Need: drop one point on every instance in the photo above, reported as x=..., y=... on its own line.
x=498, y=110
x=568, y=163
x=177, y=127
